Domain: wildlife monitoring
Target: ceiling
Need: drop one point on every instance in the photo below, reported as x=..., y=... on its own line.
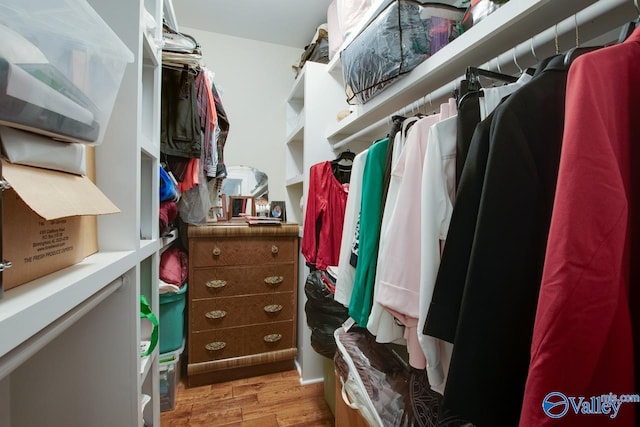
x=285, y=22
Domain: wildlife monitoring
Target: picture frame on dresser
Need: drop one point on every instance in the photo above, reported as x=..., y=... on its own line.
x=240, y=206
x=278, y=209
x=220, y=212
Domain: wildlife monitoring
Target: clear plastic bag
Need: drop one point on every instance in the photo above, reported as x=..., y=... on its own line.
x=398, y=39
x=194, y=204
x=377, y=382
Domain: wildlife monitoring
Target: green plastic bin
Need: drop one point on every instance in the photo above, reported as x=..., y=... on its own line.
x=172, y=319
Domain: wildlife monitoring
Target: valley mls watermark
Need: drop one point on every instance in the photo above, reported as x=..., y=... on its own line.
x=557, y=405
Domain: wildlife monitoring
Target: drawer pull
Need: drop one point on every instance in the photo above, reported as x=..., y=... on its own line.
x=216, y=251
x=216, y=314
x=273, y=280
x=216, y=284
x=272, y=338
x=215, y=346
x=274, y=249
x=272, y=308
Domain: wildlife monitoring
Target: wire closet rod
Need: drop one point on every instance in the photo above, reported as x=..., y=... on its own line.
x=590, y=22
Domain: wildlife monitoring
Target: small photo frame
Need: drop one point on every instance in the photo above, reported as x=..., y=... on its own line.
x=241, y=206
x=221, y=211
x=278, y=210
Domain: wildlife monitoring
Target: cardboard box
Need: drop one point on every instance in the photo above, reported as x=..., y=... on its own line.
x=48, y=221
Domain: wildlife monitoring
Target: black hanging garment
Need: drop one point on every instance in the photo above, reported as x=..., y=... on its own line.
x=486, y=292
x=180, y=133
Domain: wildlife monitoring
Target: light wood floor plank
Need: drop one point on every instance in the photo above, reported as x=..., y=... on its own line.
x=274, y=400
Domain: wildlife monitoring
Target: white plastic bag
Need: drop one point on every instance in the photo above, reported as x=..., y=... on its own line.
x=194, y=204
x=26, y=148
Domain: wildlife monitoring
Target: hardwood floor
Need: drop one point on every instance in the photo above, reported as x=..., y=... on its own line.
x=275, y=400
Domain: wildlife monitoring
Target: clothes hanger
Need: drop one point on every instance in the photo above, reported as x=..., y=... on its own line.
x=576, y=51
x=345, y=158
x=186, y=67
x=473, y=75
x=628, y=28
x=470, y=86
x=396, y=125
x=515, y=61
x=430, y=109
x=177, y=42
x=533, y=51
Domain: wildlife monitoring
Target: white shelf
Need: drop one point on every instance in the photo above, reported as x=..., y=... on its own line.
x=148, y=247
x=146, y=363
x=513, y=23
x=296, y=136
x=69, y=326
x=151, y=51
x=149, y=148
x=33, y=306
x=297, y=91
x=294, y=180
x=168, y=240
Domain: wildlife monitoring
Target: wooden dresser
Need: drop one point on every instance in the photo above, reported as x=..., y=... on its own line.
x=242, y=301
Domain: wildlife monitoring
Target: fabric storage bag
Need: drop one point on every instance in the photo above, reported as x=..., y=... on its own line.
x=398, y=39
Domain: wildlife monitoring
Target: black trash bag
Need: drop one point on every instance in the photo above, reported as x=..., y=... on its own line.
x=324, y=315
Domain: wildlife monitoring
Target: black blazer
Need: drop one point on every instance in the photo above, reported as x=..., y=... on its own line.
x=487, y=286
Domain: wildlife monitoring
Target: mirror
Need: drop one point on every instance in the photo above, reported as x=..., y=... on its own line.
x=242, y=190
x=246, y=181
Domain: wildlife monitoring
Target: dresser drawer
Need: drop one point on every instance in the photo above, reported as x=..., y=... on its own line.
x=214, y=252
x=240, y=341
x=217, y=313
x=245, y=280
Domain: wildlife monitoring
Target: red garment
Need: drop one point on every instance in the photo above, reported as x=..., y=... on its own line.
x=583, y=342
x=191, y=178
x=168, y=213
x=325, y=206
x=174, y=266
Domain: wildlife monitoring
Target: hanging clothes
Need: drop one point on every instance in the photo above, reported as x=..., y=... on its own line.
x=221, y=134
x=474, y=107
x=381, y=322
x=346, y=272
x=208, y=118
x=191, y=176
x=180, y=124
x=369, y=233
x=492, y=96
x=437, y=198
x=324, y=217
x=583, y=339
x=492, y=321
x=468, y=119
x=392, y=155
x=438, y=194
x=399, y=279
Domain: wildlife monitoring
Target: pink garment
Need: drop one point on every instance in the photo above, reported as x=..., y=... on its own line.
x=324, y=217
x=399, y=273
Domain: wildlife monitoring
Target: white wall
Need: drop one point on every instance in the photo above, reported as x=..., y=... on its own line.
x=255, y=78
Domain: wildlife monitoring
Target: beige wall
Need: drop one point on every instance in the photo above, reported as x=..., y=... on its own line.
x=255, y=79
